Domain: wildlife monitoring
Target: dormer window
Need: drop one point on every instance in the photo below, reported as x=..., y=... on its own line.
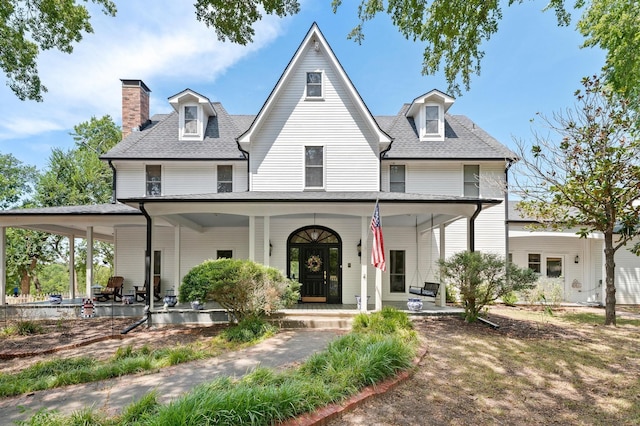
x=432, y=119
x=191, y=120
x=314, y=84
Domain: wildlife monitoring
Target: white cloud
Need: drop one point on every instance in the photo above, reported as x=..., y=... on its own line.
x=159, y=42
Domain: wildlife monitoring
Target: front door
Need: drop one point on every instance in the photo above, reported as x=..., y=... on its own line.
x=314, y=262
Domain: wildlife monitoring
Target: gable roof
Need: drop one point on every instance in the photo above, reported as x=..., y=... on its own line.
x=315, y=35
x=159, y=140
x=463, y=140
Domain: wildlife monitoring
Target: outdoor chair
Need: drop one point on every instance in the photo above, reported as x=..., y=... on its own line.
x=141, y=291
x=112, y=290
x=428, y=290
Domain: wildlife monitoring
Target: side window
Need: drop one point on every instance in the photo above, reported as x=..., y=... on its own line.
x=535, y=262
x=471, y=180
x=432, y=123
x=154, y=180
x=224, y=254
x=397, y=271
x=314, y=166
x=225, y=178
x=314, y=84
x=554, y=267
x=397, y=178
x=190, y=120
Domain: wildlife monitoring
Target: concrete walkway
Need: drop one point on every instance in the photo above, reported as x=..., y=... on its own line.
x=283, y=350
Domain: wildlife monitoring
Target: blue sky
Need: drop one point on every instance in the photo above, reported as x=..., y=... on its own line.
x=530, y=66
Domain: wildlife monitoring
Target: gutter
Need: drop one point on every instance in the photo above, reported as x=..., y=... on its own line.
x=506, y=209
x=113, y=182
x=147, y=264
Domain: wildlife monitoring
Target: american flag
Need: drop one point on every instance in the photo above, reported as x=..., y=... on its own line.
x=377, y=251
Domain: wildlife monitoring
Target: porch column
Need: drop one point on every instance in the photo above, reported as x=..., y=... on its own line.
x=72, y=267
x=177, y=231
x=266, y=232
x=364, y=229
x=441, y=300
x=252, y=238
x=89, y=282
x=3, y=265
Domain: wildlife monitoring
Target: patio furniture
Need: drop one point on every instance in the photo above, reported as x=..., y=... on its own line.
x=112, y=290
x=429, y=289
x=141, y=291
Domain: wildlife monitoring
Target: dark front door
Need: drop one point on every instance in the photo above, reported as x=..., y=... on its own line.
x=314, y=261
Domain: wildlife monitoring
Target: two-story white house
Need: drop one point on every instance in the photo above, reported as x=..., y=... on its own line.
x=294, y=186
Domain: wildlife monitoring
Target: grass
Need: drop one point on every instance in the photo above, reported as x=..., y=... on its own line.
x=378, y=350
x=22, y=328
x=126, y=360
x=596, y=319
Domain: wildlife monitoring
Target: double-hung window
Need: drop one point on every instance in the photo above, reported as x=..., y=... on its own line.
x=397, y=178
x=191, y=120
x=397, y=271
x=154, y=180
x=535, y=261
x=314, y=84
x=471, y=180
x=225, y=178
x=314, y=166
x=432, y=120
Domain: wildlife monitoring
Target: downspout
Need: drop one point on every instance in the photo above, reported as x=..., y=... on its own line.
x=472, y=227
x=382, y=154
x=147, y=264
x=113, y=183
x=506, y=209
x=246, y=155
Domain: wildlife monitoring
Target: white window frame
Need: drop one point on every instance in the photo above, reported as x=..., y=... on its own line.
x=404, y=180
x=147, y=181
x=439, y=135
x=476, y=180
x=539, y=263
x=324, y=169
x=198, y=135
x=392, y=273
x=218, y=182
x=306, y=85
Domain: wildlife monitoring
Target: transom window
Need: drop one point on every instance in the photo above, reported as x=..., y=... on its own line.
x=472, y=180
x=225, y=178
x=397, y=271
x=314, y=166
x=397, y=178
x=432, y=122
x=314, y=84
x=154, y=180
x=190, y=120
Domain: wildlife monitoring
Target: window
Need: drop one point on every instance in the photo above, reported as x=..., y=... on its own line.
x=432, y=122
x=554, y=267
x=314, y=84
x=534, y=262
x=225, y=178
x=313, y=163
x=190, y=120
x=154, y=180
x=397, y=271
x=157, y=268
x=224, y=254
x=471, y=180
x=396, y=178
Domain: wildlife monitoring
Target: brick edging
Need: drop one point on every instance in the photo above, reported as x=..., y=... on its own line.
x=324, y=415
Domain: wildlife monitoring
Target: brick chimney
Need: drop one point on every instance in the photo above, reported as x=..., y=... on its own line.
x=135, y=106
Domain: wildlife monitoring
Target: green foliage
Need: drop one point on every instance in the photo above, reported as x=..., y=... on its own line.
x=546, y=291
x=387, y=321
x=22, y=328
x=242, y=287
x=482, y=278
x=28, y=27
x=250, y=329
x=16, y=180
x=510, y=298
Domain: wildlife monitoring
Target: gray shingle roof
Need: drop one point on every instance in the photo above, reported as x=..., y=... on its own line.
x=159, y=140
x=95, y=209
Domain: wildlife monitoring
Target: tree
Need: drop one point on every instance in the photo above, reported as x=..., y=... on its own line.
x=16, y=180
x=482, y=278
x=27, y=27
x=588, y=176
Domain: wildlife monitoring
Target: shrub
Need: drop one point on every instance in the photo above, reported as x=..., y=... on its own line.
x=248, y=330
x=481, y=278
x=242, y=287
x=546, y=291
x=510, y=299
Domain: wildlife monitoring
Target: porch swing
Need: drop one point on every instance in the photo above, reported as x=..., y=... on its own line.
x=428, y=289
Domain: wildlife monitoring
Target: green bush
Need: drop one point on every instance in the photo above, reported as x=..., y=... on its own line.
x=482, y=278
x=510, y=299
x=248, y=330
x=242, y=287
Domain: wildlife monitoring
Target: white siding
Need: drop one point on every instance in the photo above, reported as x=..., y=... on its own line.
x=179, y=178
x=627, y=277
x=277, y=148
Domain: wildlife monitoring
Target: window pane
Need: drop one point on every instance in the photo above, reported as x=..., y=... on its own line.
x=396, y=187
x=432, y=113
x=314, y=77
x=190, y=119
x=224, y=254
x=225, y=187
x=314, y=156
x=397, y=271
x=154, y=180
x=314, y=84
x=294, y=264
x=397, y=178
x=534, y=262
x=314, y=176
x=471, y=175
x=157, y=262
x=225, y=173
x=554, y=267
x=432, y=119
x=313, y=166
